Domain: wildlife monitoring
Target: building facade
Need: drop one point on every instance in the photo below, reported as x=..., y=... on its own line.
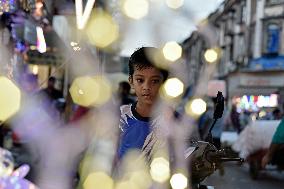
x=251, y=38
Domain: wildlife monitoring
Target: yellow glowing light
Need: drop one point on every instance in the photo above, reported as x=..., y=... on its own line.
x=35, y=69
x=102, y=30
x=173, y=87
x=41, y=45
x=195, y=107
x=160, y=169
x=98, y=180
x=172, y=51
x=10, y=98
x=90, y=91
x=82, y=17
x=135, y=9
x=211, y=55
x=174, y=4
x=105, y=90
x=178, y=181
x=141, y=178
x=126, y=185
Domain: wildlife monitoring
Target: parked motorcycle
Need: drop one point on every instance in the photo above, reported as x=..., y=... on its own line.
x=204, y=157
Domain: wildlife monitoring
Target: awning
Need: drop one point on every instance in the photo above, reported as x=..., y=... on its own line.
x=267, y=63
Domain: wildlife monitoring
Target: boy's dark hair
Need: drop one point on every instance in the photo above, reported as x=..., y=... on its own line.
x=141, y=59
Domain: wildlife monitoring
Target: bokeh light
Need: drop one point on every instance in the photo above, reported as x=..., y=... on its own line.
x=160, y=169
x=178, y=181
x=102, y=30
x=135, y=9
x=98, y=180
x=173, y=87
x=172, y=51
x=174, y=4
x=141, y=178
x=10, y=98
x=195, y=107
x=211, y=55
x=126, y=185
x=90, y=91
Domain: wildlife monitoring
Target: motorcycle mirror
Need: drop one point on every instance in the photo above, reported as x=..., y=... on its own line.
x=219, y=106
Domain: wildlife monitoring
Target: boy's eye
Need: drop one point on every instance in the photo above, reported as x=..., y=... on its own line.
x=139, y=80
x=156, y=81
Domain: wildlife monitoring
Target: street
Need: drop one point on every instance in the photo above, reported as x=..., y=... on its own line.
x=237, y=177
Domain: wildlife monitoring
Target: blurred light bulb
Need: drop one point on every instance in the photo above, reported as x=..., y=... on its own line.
x=173, y=87
x=172, y=51
x=90, y=91
x=102, y=30
x=174, y=4
x=178, y=181
x=135, y=9
x=98, y=180
x=195, y=107
x=160, y=169
x=211, y=55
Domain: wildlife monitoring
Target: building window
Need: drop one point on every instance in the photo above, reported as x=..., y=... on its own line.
x=274, y=2
x=272, y=38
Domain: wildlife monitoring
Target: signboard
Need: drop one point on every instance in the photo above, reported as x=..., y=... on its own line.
x=216, y=85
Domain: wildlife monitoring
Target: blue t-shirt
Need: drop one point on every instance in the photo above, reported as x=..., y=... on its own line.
x=134, y=129
x=278, y=137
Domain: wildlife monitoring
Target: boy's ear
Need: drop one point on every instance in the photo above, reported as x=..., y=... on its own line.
x=130, y=79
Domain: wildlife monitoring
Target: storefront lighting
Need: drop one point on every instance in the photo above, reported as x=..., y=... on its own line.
x=41, y=45
x=35, y=69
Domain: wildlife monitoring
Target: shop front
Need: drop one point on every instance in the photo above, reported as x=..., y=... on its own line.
x=256, y=90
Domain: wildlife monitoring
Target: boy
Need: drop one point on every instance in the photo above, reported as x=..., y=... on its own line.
x=135, y=122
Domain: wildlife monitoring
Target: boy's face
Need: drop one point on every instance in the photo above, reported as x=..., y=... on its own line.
x=146, y=83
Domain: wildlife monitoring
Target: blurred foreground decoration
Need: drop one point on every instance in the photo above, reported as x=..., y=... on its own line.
x=13, y=179
x=102, y=30
x=10, y=98
x=87, y=91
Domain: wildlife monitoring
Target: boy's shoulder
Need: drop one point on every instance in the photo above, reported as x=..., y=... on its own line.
x=125, y=116
x=126, y=110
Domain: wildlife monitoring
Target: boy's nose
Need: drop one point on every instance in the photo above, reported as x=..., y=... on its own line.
x=146, y=86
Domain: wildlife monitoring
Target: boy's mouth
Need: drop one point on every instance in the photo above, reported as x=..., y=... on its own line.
x=146, y=95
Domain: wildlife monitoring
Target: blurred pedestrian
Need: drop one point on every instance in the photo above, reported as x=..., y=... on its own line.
x=124, y=93
x=235, y=118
